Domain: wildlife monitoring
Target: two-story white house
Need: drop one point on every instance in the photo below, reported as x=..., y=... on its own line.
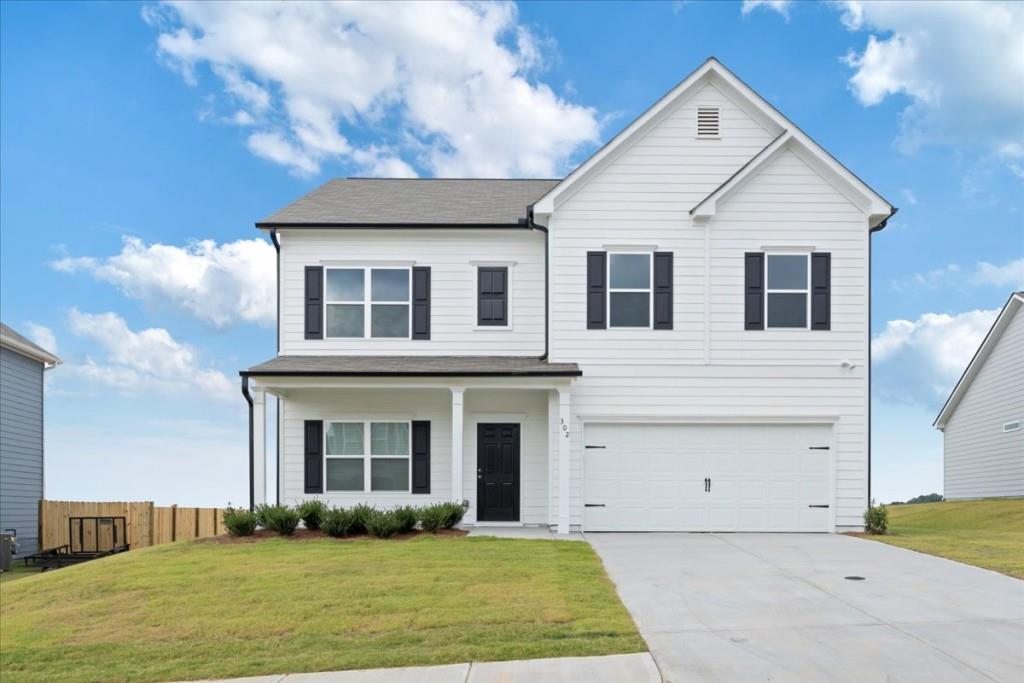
x=674, y=337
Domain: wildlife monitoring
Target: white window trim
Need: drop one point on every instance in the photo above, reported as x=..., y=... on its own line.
x=649, y=291
x=367, y=457
x=806, y=291
x=507, y=265
x=367, y=302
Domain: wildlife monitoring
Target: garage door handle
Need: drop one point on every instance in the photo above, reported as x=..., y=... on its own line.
x=817, y=506
x=593, y=505
x=594, y=446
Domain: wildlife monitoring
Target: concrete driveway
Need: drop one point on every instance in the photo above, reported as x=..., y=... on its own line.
x=758, y=607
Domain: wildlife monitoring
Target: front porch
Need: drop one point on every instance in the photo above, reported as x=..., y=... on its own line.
x=493, y=442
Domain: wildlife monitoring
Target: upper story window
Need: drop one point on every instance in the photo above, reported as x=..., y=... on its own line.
x=367, y=302
x=787, y=300
x=629, y=290
x=492, y=296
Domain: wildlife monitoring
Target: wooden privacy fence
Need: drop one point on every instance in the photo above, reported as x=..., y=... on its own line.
x=146, y=523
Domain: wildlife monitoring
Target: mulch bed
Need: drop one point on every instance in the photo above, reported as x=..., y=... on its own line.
x=307, y=535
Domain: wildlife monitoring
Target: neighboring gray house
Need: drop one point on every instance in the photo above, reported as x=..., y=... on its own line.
x=982, y=423
x=22, y=364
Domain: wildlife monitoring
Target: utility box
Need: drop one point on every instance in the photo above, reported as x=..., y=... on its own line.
x=6, y=551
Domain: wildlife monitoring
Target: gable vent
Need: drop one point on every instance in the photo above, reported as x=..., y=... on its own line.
x=708, y=122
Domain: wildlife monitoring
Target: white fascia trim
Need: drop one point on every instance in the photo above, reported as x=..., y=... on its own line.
x=709, y=419
x=1010, y=308
x=16, y=345
x=619, y=248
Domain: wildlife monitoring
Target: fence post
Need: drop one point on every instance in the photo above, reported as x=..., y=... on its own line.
x=174, y=523
x=197, y=523
x=152, y=524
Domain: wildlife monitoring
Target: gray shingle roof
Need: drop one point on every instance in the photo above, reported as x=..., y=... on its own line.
x=41, y=354
x=353, y=202
x=424, y=366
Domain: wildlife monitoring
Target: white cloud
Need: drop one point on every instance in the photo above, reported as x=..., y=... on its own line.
x=960, y=64
x=147, y=359
x=780, y=6
x=909, y=195
x=445, y=87
x=42, y=335
x=1009, y=275
x=919, y=361
x=219, y=284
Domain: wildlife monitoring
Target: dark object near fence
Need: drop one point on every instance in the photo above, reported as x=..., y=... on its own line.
x=91, y=538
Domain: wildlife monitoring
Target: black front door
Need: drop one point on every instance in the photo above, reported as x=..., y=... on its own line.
x=497, y=472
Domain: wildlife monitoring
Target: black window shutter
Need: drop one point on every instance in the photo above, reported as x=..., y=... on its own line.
x=492, y=296
x=421, y=456
x=314, y=430
x=821, y=291
x=421, y=302
x=753, y=291
x=663, y=290
x=597, y=279
x=314, y=302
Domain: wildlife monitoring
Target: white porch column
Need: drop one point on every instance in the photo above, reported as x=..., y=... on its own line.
x=564, y=469
x=457, y=455
x=259, y=446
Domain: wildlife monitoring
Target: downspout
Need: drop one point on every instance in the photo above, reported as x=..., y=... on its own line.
x=547, y=278
x=871, y=233
x=277, y=440
x=252, y=468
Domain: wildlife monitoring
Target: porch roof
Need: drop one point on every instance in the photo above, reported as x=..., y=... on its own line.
x=411, y=366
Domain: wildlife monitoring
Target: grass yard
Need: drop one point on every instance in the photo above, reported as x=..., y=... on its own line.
x=17, y=571
x=196, y=610
x=985, y=533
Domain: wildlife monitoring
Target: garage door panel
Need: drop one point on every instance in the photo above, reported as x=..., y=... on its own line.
x=652, y=477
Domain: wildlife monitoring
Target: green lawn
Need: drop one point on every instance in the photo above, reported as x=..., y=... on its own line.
x=196, y=610
x=985, y=533
x=17, y=571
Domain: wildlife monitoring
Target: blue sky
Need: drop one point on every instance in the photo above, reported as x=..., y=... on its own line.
x=140, y=142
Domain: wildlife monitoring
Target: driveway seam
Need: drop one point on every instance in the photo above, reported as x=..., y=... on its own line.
x=856, y=607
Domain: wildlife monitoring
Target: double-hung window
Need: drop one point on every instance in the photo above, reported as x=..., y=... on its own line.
x=367, y=456
x=787, y=301
x=629, y=290
x=367, y=302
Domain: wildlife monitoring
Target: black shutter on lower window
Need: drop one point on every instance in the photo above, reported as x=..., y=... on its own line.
x=663, y=290
x=821, y=291
x=314, y=456
x=597, y=269
x=421, y=302
x=421, y=456
x=753, y=291
x=314, y=302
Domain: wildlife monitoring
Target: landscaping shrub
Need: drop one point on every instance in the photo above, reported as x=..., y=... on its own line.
x=407, y=517
x=261, y=515
x=383, y=523
x=239, y=522
x=433, y=517
x=281, y=518
x=312, y=513
x=361, y=514
x=338, y=522
x=876, y=519
x=453, y=513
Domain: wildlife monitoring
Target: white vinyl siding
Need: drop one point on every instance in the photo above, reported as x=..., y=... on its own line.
x=644, y=197
x=529, y=407
x=980, y=458
x=452, y=256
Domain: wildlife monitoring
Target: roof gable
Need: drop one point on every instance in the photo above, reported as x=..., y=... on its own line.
x=10, y=339
x=1010, y=309
x=787, y=135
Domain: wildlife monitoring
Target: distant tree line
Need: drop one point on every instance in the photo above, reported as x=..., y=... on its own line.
x=927, y=498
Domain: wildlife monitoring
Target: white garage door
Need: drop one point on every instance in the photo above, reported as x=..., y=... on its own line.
x=696, y=477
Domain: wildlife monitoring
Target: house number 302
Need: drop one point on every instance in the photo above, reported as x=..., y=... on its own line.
x=565, y=428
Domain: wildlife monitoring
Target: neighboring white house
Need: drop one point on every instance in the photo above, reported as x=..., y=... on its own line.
x=982, y=422
x=673, y=337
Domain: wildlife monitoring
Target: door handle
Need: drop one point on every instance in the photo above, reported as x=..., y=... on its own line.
x=707, y=484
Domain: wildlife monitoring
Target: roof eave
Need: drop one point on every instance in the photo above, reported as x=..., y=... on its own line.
x=35, y=353
x=380, y=373
x=274, y=225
